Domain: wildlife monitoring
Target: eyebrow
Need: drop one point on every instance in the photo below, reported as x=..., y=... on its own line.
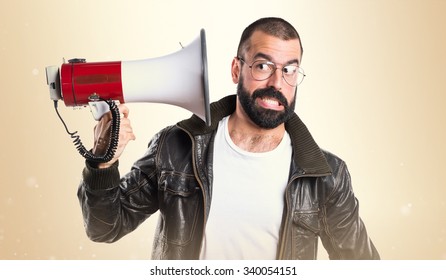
x=268, y=57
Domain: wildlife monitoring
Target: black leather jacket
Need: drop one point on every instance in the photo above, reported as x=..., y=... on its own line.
x=175, y=177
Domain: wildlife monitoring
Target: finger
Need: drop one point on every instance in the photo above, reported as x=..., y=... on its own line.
x=127, y=129
x=124, y=110
x=124, y=139
x=125, y=122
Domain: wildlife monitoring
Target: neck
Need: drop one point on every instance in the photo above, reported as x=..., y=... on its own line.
x=249, y=137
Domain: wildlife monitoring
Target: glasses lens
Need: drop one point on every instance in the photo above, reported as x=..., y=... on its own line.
x=262, y=69
x=293, y=75
x=290, y=73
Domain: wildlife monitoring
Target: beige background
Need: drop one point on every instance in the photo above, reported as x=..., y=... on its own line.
x=374, y=95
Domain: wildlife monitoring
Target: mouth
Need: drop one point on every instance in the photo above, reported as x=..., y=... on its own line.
x=270, y=103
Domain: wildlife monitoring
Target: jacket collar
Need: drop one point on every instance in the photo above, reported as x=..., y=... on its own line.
x=307, y=154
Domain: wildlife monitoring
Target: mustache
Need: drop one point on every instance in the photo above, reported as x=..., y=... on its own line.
x=270, y=92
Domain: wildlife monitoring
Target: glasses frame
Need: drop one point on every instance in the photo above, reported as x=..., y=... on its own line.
x=300, y=70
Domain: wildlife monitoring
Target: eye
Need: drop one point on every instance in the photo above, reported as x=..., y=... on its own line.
x=290, y=70
x=263, y=66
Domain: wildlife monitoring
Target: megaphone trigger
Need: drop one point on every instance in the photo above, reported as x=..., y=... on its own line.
x=99, y=108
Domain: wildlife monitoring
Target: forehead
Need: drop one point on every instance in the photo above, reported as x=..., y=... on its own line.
x=262, y=45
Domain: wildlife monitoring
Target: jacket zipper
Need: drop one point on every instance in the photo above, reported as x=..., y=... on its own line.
x=197, y=177
x=285, y=226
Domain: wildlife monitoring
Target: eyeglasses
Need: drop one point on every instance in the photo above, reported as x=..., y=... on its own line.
x=264, y=69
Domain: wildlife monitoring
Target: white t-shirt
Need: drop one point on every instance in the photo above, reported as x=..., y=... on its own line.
x=247, y=200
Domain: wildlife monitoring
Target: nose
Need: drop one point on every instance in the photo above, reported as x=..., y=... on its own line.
x=276, y=80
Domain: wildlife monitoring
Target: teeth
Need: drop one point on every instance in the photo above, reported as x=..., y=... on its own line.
x=270, y=101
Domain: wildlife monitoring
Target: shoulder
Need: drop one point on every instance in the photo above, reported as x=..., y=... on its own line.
x=339, y=182
x=335, y=162
x=170, y=135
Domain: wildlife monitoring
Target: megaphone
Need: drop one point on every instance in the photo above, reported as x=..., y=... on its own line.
x=178, y=79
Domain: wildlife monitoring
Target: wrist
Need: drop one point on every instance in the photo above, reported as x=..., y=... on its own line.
x=104, y=165
x=101, y=165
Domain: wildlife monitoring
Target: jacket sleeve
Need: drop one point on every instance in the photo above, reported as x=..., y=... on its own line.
x=113, y=206
x=343, y=234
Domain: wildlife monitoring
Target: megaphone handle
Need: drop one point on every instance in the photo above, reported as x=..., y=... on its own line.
x=114, y=136
x=98, y=109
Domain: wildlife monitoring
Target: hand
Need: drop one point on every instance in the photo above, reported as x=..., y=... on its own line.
x=102, y=135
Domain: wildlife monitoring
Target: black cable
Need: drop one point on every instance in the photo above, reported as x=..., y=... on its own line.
x=114, y=135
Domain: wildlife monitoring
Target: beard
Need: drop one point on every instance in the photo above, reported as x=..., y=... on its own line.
x=265, y=118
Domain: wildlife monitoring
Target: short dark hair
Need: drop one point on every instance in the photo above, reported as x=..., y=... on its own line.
x=274, y=26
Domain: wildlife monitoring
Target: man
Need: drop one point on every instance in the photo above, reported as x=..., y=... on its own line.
x=253, y=185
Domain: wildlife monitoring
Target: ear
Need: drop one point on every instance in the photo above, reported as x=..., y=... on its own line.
x=235, y=70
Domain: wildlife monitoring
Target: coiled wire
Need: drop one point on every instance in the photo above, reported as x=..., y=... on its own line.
x=114, y=136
